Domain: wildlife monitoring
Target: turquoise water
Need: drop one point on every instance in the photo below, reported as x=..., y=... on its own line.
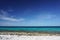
x=31, y=29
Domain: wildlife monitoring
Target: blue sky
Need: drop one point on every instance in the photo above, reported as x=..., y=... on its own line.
x=29, y=12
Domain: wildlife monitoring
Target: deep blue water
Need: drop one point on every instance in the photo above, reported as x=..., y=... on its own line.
x=31, y=28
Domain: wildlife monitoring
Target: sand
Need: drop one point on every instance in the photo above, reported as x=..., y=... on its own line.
x=16, y=37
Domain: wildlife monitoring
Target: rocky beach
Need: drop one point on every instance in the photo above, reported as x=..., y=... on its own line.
x=31, y=33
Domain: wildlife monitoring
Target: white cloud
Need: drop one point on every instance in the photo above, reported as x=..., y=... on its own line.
x=4, y=16
x=11, y=19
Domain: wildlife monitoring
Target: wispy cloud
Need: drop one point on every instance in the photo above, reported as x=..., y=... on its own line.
x=11, y=19
x=47, y=16
x=3, y=13
x=4, y=16
x=44, y=20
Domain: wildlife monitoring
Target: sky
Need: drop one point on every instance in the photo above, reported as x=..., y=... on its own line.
x=29, y=12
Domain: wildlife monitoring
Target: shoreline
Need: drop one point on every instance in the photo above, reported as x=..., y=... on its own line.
x=30, y=33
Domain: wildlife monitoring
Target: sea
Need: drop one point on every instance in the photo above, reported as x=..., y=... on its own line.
x=31, y=28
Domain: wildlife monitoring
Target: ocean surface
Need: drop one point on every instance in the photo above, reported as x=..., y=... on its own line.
x=57, y=29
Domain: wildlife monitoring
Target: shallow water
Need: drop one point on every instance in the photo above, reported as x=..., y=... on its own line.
x=31, y=29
